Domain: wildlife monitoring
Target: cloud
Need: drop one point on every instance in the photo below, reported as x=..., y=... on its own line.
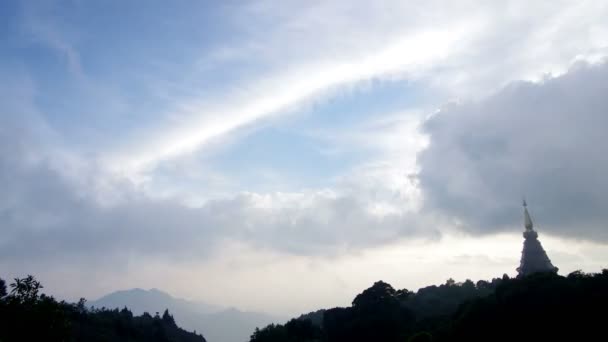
x=71, y=204
x=543, y=140
x=58, y=207
x=251, y=76
x=461, y=51
x=261, y=99
x=44, y=218
x=53, y=209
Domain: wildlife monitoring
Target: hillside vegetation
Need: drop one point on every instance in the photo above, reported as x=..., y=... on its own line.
x=27, y=315
x=541, y=307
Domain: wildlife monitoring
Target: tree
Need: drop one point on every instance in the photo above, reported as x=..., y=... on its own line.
x=168, y=319
x=81, y=306
x=2, y=288
x=469, y=284
x=377, y=314
x=482, y=284
x=421, y=337
x=26, y=289
x=270, y=333
x=403, y=294
x=126, y=313
x=302, y=330
x=27, y=315
x=551, y=308
x=379, y=292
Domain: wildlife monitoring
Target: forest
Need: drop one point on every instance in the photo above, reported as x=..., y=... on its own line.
x=28, y=315
x=540, y=307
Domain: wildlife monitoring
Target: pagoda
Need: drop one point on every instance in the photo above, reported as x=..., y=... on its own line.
x=534, y=259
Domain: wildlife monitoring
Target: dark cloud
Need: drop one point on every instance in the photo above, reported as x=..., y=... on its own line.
x=545, y=141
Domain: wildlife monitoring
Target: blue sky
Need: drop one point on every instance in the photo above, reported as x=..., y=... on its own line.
x=241, y=140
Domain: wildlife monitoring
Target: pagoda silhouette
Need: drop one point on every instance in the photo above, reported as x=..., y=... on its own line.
x=534, y=259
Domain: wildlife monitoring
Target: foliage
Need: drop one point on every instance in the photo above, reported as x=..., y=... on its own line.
x=542, y=306
x=27, y=315
x=422, y=336
x=2, y=288
x=26, y=289
x=315, y=317
x=376, y=314
x=296, y=330
x=443, y=300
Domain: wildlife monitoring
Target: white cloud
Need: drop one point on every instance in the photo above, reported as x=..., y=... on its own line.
x=282, y=93
x=306, y=53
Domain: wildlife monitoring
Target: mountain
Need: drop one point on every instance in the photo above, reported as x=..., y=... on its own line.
x=216, y=323
x=28, y=315
x=152, y=301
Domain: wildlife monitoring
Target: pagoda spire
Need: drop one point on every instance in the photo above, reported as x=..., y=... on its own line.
x=527, y=219
x=533, y=257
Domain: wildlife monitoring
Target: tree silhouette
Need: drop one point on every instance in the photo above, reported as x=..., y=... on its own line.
x=421, y=337
x=376, y=314
x=2, y=288
x=168, y=319
x=28, y=315
x=542, y=306
x=380, y=292
x=26, y=289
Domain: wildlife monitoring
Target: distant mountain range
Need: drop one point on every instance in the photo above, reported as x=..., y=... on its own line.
x=217, y=324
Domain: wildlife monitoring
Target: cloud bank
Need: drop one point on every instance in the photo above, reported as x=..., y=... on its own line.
x=545, y=141
x=46, y=214
x=539, y=140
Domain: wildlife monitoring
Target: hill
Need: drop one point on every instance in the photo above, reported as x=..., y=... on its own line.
x=27, y=315
x=153, y=300
x=539, y=307
x=218, y=324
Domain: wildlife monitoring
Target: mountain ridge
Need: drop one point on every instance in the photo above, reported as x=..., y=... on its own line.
x=218, y=324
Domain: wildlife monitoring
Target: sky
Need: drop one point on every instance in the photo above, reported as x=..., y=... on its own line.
x=281, y=156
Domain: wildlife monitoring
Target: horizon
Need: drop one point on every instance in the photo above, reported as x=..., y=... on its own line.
x=280, y=158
